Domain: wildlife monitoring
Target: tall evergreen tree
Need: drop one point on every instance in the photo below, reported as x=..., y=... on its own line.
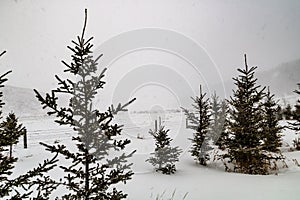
x=93, y=172
x=164, y=156
x=271, y=127
x=200, y=121
x=245, y=124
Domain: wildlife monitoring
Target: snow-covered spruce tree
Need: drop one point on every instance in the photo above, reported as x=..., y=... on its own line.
x=6, y=162
x=271, y=128
x=164, y=156
x=11, y=131
x=296, y=125
x=245, y=125
x=219, y=111
x=93, y=172
x=14, y=186
x=200, y=122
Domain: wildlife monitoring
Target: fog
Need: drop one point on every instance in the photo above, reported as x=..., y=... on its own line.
x=199, y=42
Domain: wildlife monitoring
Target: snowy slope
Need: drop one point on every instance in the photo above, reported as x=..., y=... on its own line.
x=282, y=80
x=21, y=101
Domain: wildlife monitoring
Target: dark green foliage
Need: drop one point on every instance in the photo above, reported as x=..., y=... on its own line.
x=279, y=112
x=296, y=124
x=271, y=127
x=288, y=112
x=11, y=131
x=219, y=111
x=92, y=172
x=6, y=162
x=165, y=156
x=296, y=112
x=296, y=143
x=3, y=79
x=200, y=121
x=246, y=118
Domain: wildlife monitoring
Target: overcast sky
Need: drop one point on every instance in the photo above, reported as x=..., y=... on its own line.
x=35, y=33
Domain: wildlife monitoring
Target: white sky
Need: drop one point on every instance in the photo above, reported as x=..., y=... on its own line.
x=35, y=32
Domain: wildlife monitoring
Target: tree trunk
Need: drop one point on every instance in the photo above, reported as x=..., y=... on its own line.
x=10, y=151
x=25, y=140
x=87, y=181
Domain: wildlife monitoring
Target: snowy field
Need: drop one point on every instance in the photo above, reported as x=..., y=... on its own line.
x=192, y=180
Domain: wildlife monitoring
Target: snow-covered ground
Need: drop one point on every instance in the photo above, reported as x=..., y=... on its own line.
x=196, y=181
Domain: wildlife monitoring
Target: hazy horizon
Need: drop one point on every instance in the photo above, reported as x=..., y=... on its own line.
x=196, y=41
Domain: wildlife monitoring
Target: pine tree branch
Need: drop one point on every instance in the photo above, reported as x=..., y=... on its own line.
x=1, y=54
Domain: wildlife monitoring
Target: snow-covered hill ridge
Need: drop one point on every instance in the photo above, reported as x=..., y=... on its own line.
x=282, y=80
x=21, y=101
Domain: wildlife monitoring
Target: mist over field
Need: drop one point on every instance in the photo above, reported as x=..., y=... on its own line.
x=175, y=44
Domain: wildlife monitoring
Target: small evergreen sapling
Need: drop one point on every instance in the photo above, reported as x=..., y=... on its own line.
x=11, y=131
x=200, y=121
x=164, y=156
x=271, y=127
x=92, y=172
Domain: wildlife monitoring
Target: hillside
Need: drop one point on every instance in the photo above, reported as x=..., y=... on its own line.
x=282, y=80
x=21, y=101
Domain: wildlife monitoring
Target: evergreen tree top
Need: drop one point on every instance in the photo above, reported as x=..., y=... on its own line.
x=249, y=72
x=247, y=92
x=215, y=105
x=161, y=137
